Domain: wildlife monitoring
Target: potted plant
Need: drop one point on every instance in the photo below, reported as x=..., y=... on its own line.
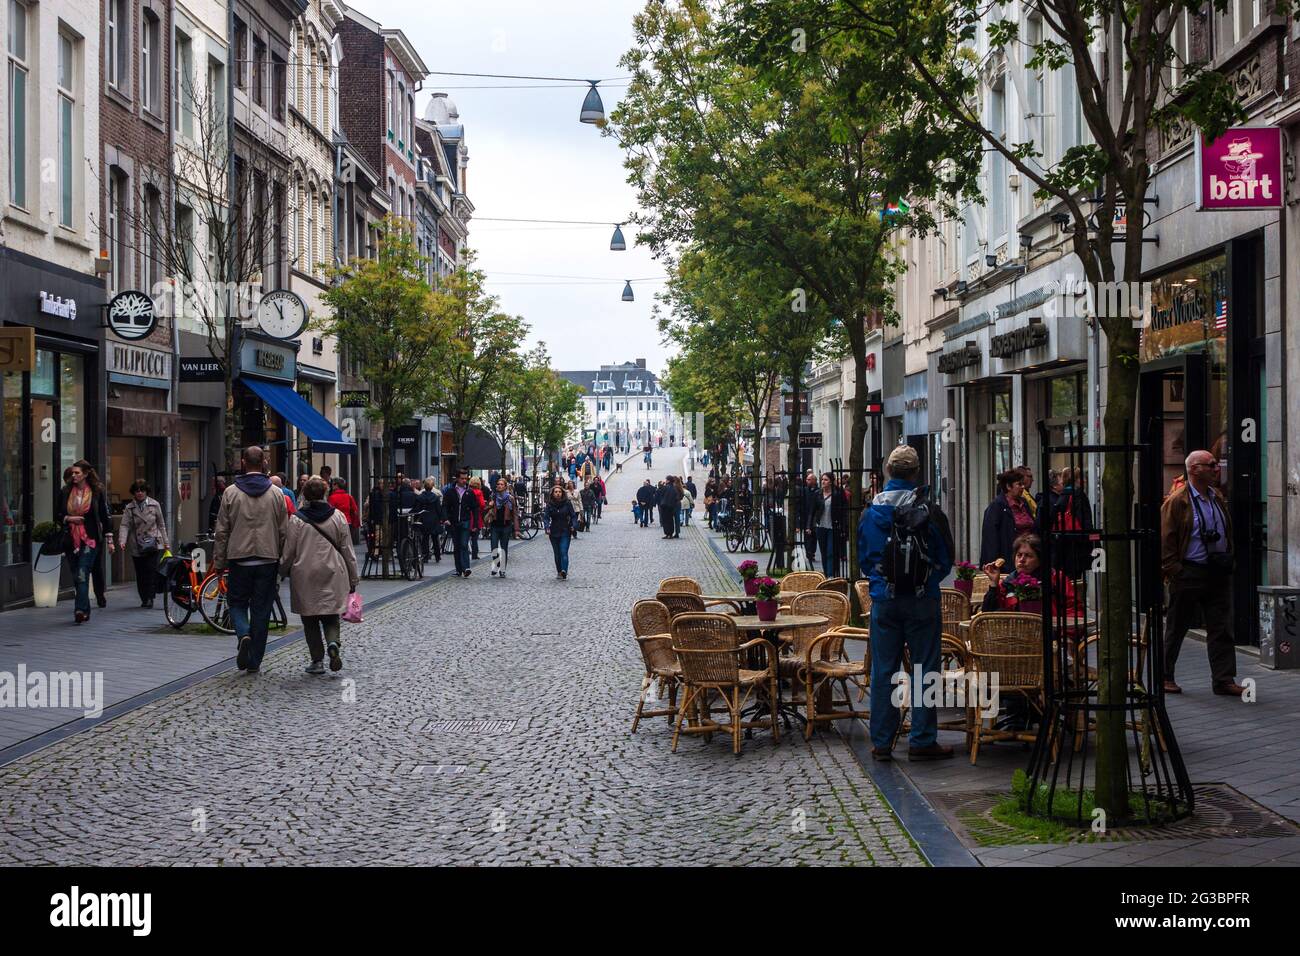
x=45, y=578
x=766, y=591
x=749, y=571
x=1026, y=593
x=965, y=582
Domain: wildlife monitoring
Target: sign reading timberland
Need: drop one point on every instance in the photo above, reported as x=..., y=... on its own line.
x=1018, y=340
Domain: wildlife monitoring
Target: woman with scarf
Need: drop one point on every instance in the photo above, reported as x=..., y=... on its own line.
x=143, y=533
x=561, y=525
x=1006, y=519
x=82, y=511
x=322, y=570
x=476, y=523
x=501, y=519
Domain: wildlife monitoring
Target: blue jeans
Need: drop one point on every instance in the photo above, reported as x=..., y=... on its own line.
x=461, y=530
x=83, y=565
x=251, y=593
x=918, y=623
x=826, y=541
x=560, y=546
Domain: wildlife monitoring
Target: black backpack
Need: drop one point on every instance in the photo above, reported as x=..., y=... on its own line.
x=906, y=562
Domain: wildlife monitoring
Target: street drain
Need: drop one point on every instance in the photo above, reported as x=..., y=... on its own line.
x=1221, y=813
x=470, y=726
x=440, y=769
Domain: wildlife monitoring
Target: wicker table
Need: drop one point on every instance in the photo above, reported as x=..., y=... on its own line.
x=770, y=631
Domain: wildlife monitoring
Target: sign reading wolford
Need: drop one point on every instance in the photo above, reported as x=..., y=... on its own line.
x=1242, y=169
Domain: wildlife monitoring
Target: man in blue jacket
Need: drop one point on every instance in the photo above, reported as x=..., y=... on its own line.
x=899, y=618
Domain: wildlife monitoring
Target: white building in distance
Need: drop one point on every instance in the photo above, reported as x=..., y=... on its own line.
x=625, y=405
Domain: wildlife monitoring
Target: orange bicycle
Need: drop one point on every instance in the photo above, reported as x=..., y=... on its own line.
x=186, y=590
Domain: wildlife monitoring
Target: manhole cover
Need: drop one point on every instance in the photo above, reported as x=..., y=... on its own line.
x=1221, y=813
x=469, y=725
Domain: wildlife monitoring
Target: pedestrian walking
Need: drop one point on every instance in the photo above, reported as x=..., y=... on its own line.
x=807, y=512
x=687, y=506
x=588, y=498
x=906, y=550
x=428, y=507
x=831, y=516
x=461, y=508
x=277, y=480
x=1197, y=562
x=1027, y=476
x=143, y=533
x=561, y=522
x=251, y=530
x=575, y=499
x=601, y=495
x=214, y=506
x=346, y=505
x=645, y=497
x=82, y=513
x=502, y=520
x=476, y=527
x=321, y=567
x=670, y=502
x=1006, y=518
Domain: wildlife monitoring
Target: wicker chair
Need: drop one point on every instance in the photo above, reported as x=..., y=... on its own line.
x=802, y=581
x=862, y=591
x=652, y=624
x=710, y=655
x=834, y=607
x=681, y=602
x=821, y=668
x=838, y=585
x=1010, y=645
x=680, y=584
x=955, y=607
x=979, y=587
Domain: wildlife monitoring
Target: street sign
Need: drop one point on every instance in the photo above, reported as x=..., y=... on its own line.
x=17, y=349
x=810, y=439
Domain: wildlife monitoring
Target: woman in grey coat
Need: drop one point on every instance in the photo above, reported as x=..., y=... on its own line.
x=321, y=567
x=143, y=533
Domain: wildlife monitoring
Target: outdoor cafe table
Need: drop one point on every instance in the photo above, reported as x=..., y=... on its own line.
x=770, y=631
x=743, y=598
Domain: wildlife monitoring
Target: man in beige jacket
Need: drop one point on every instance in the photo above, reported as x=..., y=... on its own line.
x=250, y=536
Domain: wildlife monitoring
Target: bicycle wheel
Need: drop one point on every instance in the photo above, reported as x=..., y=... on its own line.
x=176, y=612
x=214, y=603
x=408, y=556
x=419, y=558
x=279, y=619
x=529, y=526
x=734, y=540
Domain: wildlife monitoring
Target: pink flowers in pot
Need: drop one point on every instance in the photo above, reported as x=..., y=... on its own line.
x=768, y=589
x=748, y=569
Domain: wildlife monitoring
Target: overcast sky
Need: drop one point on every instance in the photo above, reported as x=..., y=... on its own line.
x=530, y=158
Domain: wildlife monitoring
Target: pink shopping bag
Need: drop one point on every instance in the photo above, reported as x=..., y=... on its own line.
x=353, y=614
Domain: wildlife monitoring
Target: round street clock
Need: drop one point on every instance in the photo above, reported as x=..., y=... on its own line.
x=281, y=314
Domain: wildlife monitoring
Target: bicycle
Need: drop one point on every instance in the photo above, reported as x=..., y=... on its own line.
x=184, y=590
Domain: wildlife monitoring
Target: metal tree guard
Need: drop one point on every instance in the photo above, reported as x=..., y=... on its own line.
x=1070, y=684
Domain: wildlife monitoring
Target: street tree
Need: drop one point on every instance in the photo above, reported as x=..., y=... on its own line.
x=1118, y=56
x=500, y=414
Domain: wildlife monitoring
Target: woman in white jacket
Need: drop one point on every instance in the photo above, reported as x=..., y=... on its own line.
x=321, y=567
x=143, y=532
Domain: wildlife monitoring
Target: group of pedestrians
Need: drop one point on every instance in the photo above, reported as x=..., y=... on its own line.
x=673, y=499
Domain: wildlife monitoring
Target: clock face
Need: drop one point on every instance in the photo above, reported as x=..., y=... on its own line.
x=281, y=314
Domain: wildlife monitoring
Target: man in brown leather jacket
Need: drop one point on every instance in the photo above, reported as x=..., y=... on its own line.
x=1196, y=561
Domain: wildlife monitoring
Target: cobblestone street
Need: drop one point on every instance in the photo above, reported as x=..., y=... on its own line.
x=476, y=721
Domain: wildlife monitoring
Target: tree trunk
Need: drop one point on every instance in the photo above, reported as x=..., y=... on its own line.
x=792, y=454
x=385, y=503
x=857, y=434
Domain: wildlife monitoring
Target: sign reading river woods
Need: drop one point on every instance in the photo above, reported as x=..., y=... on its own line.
x=1242, y=169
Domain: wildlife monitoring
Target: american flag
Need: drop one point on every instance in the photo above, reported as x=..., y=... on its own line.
x=1221, y=315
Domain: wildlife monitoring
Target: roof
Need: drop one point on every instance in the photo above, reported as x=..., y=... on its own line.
x=623, y=378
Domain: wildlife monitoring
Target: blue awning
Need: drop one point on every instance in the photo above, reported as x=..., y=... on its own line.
x=325, y=438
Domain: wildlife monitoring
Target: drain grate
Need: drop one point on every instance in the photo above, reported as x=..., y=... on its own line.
x=477, y=725
x=1221, y=813
x=440, y=769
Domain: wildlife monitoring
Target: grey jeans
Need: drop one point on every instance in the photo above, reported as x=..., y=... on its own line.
x=313, y=626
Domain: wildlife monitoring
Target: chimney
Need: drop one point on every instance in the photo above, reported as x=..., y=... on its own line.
x=640, y=363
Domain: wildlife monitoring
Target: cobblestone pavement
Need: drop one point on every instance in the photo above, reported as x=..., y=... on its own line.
x=477, y=721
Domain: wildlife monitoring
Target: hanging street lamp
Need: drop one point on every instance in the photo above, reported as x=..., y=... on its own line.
x=617, y=243
x=593, y=110
x=627, y=291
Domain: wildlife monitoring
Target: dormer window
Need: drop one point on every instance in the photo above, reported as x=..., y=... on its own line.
x=605, y=386
x=631, y=384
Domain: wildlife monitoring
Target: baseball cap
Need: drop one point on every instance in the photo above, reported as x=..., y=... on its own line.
x=903, y=458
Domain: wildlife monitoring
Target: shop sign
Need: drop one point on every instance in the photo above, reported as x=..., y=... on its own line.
x=140, y=362
x=916, y=404
x=354, y=398
x=1242, y=169
x=17, y=349
x=810, y=439
x=406, y=436
x=63, y=308
x=263, y=360
x=1023, y=339
x=950, y=362
x=201, y=370
x=131, y=315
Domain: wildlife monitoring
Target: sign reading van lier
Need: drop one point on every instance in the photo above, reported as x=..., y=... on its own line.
x=1242, y=169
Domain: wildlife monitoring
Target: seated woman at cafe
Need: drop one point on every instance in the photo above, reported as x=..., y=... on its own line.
x=1005, y=589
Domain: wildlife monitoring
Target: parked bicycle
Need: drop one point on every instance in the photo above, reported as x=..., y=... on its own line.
x=185, y=590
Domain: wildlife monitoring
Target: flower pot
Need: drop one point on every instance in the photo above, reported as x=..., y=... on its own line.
x=766, y=609
x=1030, y=607
x=45, y=579
x=751, y=586
x=965, y=587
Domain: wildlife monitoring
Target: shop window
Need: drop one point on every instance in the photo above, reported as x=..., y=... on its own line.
x=13, y=522
x=72, y=409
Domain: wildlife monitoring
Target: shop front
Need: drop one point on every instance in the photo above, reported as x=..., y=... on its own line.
x=51, y=402
x=317, y=387
x=984, y=422
x=1204, y=385
x=916, y=426
x=141, y=430
x=200, y=440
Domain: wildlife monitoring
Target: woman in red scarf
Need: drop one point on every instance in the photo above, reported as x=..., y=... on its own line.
x=1027, y=552
x=83, y=512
